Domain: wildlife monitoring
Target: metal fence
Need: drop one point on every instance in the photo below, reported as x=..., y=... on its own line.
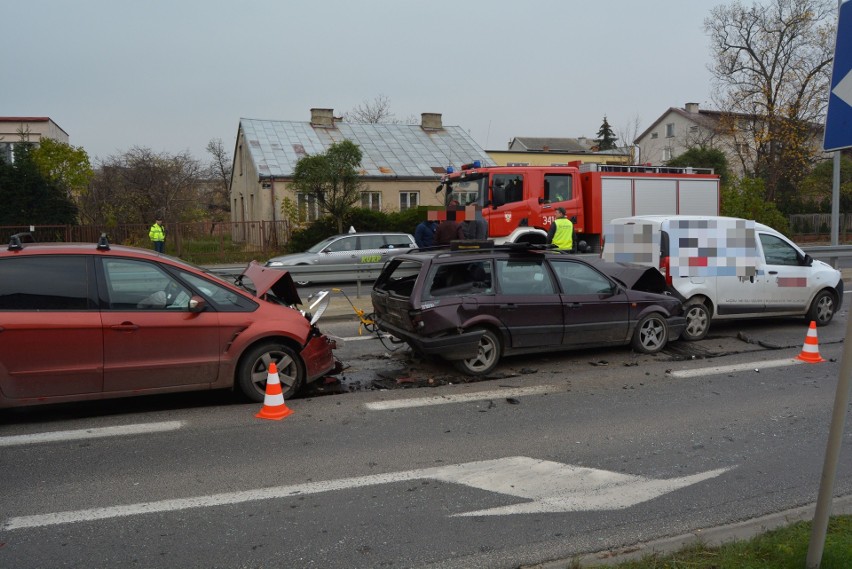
x=204, y=242
x=819, y=224
x=214, y=242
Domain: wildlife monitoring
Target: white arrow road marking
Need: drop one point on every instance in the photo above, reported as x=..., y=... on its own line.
x=843, y=89
x=551, y=487
x=557, y=487
x=121, y=430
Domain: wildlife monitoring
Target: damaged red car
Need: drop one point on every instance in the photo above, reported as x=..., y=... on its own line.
x=474, y=305
x=82, y=321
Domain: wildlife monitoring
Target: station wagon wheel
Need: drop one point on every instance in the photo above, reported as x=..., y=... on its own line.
x=651, y=334
x=822, y=308
x=254, y=365
x=697, y=321
x=487, y=356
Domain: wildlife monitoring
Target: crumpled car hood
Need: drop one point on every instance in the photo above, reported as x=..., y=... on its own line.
x=279, y=282
x=635, y=277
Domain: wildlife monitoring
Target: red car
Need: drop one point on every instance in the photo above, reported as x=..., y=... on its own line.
x=93, y=321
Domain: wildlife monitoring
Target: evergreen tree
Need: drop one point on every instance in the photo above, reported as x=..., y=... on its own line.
x=28, y=197
x=606, y=138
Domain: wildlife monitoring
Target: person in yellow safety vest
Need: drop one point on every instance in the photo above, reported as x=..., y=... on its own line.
x=561, y=231
x=158, y=236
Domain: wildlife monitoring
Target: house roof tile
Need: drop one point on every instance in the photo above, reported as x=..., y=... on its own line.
x=389, y=150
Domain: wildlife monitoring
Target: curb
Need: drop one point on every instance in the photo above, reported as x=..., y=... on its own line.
x=713, y=537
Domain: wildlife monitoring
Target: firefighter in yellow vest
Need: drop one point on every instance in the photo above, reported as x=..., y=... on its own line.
x=561, y=231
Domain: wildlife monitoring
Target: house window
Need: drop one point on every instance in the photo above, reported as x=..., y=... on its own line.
x=667, y=154
x=693, y=128
x=371, y=200
x=408, y=200
x=654, y=135
x=670, y=130
x=308, y=207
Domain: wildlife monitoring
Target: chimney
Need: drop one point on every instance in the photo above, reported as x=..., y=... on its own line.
x=692, y=108
x=323, y=118
x=431, y=121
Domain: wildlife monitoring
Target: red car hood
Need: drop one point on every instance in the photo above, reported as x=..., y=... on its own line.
x=279, y=282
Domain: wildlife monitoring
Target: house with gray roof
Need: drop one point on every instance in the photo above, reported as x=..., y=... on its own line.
x=400, y=169
x=677, y=130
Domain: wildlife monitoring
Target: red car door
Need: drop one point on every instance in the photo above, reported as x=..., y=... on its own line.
x=50, y=329
x=151, y=339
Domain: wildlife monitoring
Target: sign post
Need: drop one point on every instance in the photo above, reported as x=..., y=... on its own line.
x=838, y=120
x=838, y=134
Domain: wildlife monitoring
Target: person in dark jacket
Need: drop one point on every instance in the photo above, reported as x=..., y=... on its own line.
x=424, y=233
x=448, y=230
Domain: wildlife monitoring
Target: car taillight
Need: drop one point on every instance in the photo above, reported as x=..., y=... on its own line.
x=666, y=270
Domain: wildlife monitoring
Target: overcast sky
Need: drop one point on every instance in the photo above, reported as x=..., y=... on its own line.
x=171, y=75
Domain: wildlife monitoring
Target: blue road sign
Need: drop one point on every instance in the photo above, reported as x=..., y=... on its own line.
x=838, y=121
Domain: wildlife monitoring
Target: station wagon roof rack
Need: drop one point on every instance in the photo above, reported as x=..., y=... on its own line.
x=473, y=245
x=17, y=240
x=103, y=243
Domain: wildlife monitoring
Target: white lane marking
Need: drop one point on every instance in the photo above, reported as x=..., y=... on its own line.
x=122, y=430
x=459, y=398
x=735, y=368
x=550, y=487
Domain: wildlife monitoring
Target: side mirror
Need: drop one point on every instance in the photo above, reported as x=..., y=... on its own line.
x=197, y=304
x=808, y=260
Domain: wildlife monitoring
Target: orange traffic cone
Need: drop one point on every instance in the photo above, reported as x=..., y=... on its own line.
x=810, y=351
x=273, y=401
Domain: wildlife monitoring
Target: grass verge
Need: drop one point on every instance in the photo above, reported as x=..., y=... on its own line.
x=783, y=548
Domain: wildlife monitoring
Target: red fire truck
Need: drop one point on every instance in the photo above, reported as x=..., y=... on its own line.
x=519, y=202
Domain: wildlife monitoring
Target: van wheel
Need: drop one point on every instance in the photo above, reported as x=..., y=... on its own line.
x=697, y=321
x=486, y=357
x=651, y=334
x=254, y=365
x=822, y=308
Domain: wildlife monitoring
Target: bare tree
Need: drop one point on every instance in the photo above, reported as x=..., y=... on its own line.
x=219, y=171
x=771, y=65
x=372, y=112
x=629, y=133
x=140, y=185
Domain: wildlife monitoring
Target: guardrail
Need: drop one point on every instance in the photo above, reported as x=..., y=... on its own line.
x=369, y=272
x=830, y=254
x=320, y=274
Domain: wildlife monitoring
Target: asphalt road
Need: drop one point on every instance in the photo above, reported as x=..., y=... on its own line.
x=555, y=456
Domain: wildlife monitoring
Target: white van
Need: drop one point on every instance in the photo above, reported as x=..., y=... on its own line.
x=725, y=267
